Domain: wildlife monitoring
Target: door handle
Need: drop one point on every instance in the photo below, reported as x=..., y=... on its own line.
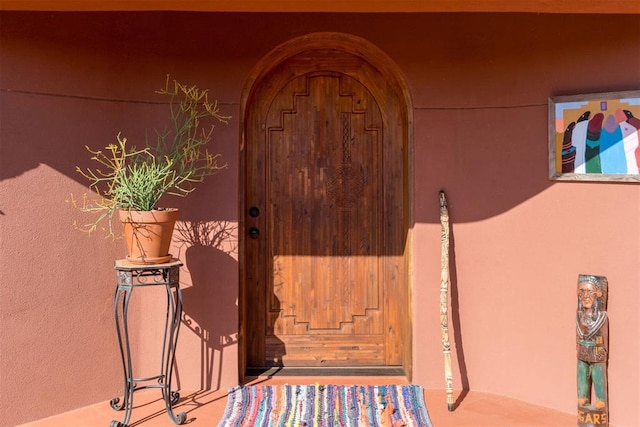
x=254, y=212
x=254, y=233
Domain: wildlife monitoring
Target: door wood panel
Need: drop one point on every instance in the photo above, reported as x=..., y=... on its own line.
x=325, y=166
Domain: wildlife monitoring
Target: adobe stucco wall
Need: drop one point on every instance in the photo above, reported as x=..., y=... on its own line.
x=479, y=83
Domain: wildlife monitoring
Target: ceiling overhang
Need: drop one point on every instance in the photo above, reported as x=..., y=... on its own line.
x=358, y=6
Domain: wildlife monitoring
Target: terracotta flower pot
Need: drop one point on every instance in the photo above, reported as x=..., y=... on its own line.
x=148, y=235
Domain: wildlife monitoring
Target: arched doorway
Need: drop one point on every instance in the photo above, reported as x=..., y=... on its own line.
x=326, y=212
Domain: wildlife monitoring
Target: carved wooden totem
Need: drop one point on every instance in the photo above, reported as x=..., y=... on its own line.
x=592, y=336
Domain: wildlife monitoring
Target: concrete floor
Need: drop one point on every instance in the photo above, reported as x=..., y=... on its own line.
x=205, y=408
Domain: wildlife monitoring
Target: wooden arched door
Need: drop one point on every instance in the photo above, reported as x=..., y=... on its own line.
x=325, y=211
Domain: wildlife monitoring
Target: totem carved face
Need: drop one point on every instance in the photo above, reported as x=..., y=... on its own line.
x=587, y=293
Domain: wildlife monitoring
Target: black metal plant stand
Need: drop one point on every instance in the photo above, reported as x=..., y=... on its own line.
x=130, y=277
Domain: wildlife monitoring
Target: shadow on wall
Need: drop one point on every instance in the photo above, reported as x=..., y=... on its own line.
x=456, y=325
x=210, y=304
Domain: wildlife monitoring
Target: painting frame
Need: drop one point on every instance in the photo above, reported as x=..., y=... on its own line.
x=580, y=125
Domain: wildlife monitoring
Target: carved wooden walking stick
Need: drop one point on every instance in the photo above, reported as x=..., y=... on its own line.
x=444, y=298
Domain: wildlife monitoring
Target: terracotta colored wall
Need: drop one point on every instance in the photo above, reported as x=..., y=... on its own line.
x=480, y=84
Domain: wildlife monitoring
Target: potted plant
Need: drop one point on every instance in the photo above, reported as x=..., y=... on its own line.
x=130, y=181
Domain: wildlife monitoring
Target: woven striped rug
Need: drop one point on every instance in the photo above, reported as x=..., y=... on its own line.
x=326, y=405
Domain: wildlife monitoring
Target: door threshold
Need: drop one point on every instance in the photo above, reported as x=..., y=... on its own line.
x=371, y=371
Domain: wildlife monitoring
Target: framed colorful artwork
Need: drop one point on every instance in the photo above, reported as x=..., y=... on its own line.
x=595, y=137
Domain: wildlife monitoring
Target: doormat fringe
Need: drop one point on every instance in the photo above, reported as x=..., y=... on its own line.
x=320, y=405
